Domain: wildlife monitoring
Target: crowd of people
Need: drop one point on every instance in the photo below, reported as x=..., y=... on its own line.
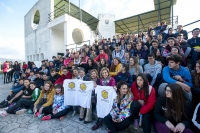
x=149, y=71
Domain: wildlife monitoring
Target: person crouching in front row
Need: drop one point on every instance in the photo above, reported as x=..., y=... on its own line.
x=44, y=101
x=120, y=114
x=58, y=109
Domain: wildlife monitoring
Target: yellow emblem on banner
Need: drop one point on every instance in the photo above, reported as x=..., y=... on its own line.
x=71, y=85
x=104, y=94
x=83, y=86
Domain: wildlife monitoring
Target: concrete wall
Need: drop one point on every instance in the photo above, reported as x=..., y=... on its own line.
x=37, y=41
x=57, y=41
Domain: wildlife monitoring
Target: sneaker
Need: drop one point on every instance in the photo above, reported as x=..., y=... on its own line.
x=135, y=124
x=2, y=102
x=95, y=127
x=37, y=114
x=40, y=115
x=47, y=117
x=74, y=113
x=3, y=113
x=30, y=111
x=21, y=111
x=4, y=105
x=109, y=131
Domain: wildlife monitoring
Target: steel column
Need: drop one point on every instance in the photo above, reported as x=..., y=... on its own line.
x=158, y=10
x=69, y=7
x=172, y=6
x=138, y=24
x=80, y=10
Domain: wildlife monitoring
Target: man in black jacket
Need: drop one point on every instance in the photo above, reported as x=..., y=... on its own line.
x=54, y=76
x=38, y=80
x=195, y=42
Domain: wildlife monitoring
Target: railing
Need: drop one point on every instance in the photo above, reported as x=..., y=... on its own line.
x=77, y=45
x=97, y=34
x=170, y=21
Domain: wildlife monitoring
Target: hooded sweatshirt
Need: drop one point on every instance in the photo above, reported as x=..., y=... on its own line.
x=168, y=74
x=153, y=70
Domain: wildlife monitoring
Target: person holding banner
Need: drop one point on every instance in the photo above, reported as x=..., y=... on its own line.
x=105, y=80
x=81, y=76
x=88, y=118
x=120, y=114
x=58, y=109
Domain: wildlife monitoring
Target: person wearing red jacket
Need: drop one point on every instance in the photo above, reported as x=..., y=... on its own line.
x=101, y=56
x=24, y=67
x=66, y=75
x=143, y=102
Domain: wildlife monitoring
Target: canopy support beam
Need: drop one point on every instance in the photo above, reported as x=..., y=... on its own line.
x=138, y=23
x=158, y=10
x=172, y=6
x=141, y=22
x=120, y=27
x=125, y=25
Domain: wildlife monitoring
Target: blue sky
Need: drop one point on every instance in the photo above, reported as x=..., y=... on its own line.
x=12, y=18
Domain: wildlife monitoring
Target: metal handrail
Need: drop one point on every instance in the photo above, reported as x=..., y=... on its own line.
x=97, y=34
x=77, y=44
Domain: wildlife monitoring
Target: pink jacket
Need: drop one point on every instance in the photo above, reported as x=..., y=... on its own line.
x=67, y=61
x=5, y=67
x=84, y=62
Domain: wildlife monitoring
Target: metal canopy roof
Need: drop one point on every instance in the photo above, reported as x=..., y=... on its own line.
x=62, y=6
x=143, y=20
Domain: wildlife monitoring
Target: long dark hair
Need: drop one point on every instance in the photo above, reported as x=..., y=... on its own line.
x=176, y=105
x=125, y=66
x=113, y=67
x=106, y=63
x=196, y=77
x=154, y=51
x=60, y=87
x=145, y=85
x=93, y=63
x=119, y=85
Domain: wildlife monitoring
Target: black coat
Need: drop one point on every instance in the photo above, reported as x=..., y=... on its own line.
x=16, y=68
x=54, y=78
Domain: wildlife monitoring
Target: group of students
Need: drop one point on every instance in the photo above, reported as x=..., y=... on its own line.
x=154, y=86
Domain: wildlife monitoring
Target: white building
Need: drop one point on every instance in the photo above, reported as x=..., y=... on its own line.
x=52, y=26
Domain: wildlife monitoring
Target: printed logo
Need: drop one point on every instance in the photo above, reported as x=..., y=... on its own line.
x=83, y=87
x=104, y=94
x=107, y=21
x=71, y=85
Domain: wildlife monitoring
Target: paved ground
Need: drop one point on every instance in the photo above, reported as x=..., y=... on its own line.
x=26, y=123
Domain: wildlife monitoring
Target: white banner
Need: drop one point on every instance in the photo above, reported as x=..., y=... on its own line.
x=78, y=92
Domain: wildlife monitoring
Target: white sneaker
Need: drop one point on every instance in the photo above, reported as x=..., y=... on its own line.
x=3, y=113
x=21, y=111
